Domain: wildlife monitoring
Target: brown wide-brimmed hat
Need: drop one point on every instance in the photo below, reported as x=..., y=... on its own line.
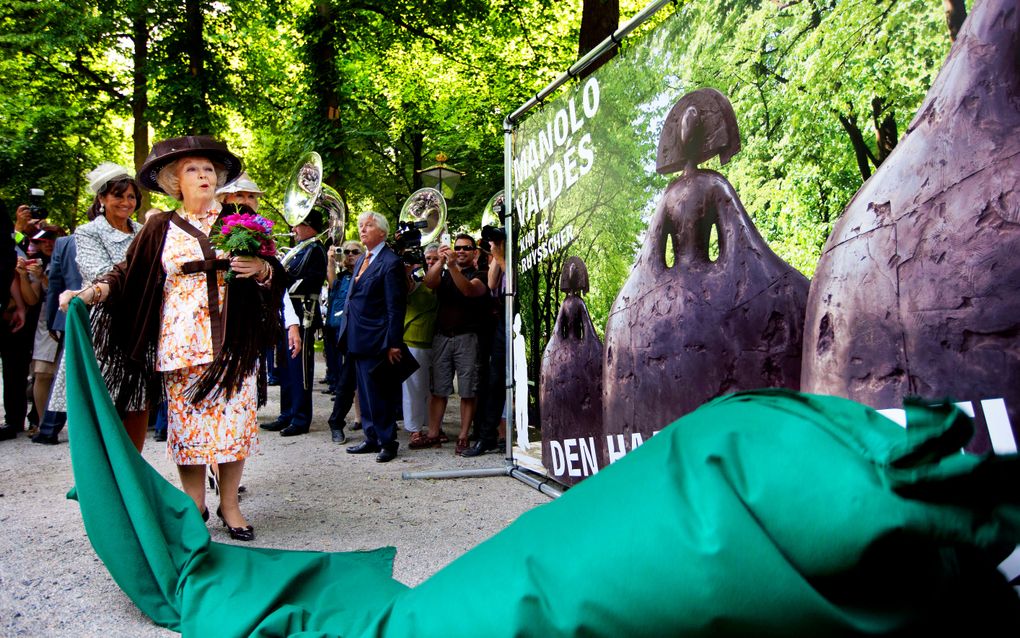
x=189, y=146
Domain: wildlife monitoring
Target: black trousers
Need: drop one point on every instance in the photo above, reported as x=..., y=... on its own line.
x=346, y=383
x=495, y=384
x=15, y=357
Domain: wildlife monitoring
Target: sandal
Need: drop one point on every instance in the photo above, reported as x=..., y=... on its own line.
x=462, y=444
x=443, y=438
x=421, y=440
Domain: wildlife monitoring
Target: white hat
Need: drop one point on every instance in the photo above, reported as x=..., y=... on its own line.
x=243, y=184
x=105, y=172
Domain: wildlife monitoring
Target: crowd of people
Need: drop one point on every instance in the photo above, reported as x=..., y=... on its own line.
x=189, y=350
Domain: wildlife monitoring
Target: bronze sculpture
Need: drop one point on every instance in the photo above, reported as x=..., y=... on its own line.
x=681, y=334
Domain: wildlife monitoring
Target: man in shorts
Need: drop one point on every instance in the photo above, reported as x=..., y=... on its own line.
x=462, y=294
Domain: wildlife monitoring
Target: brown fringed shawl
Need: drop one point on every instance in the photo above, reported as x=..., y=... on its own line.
x=126, y=325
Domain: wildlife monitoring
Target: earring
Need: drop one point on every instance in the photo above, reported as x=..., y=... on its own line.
x=102, y=209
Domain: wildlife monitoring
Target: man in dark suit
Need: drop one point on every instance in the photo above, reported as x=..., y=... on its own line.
x=372, y=331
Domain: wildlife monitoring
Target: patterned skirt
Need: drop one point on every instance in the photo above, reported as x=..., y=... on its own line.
x=216, y=429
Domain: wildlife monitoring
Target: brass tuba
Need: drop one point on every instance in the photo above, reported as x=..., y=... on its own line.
x=425, y=210
x=306, y=192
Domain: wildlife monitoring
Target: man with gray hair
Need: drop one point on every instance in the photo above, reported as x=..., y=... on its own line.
x=371, y=333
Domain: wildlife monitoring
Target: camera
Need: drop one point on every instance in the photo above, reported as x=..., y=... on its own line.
x=35, y=203
x=491, y=234
x=407, y=242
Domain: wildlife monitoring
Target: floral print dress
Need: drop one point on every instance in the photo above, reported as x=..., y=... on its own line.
x=215, y=429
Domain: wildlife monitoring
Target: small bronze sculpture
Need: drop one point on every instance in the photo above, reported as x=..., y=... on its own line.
x=680, y=335
x=571, y=385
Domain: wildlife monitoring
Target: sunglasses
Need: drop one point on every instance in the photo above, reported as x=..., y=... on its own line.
x=463, y=248
x=352, y=252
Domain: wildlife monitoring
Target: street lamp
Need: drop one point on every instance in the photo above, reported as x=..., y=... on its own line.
x=441, y=177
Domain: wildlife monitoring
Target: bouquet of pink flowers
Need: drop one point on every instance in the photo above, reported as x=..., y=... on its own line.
x=245, y=235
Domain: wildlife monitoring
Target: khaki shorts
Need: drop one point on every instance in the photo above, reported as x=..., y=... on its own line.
x=457, y=354
x=43, y=367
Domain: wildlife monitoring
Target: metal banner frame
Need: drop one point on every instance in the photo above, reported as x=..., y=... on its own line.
x=542, y=483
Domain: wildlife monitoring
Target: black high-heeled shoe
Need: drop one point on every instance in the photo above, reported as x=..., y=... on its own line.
x=244, y=534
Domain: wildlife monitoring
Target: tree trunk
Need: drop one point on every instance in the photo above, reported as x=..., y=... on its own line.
x=140, y=97
x=324, y=51
x=194, y=43
x=599, y=19
x=956, y=13
x=861, y=150
x=886, y=134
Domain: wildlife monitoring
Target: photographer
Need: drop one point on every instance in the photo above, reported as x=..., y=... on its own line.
x=345, y=384
x=419, y=331
x=44, y=350
x=492, y=420
x=461, y=291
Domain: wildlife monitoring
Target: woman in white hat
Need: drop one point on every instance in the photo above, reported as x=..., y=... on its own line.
x=168, y=321
x=101, y=244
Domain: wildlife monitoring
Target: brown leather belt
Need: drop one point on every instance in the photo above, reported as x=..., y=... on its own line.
x=204, y=265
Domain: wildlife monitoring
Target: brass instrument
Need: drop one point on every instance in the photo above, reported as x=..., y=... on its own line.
x=306, y=192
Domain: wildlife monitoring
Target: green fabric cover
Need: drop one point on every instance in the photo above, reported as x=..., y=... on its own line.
x=764, y=513
x=157, y=548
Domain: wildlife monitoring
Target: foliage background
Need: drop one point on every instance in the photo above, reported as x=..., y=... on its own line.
x=377, y=87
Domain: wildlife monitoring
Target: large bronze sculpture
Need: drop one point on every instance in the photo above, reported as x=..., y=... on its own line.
x=918, y=288
x=571, y=385
x=681, y=334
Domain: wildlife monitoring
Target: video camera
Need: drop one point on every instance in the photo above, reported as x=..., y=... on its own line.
x=491, y=234
x=35, y=203
x=407, y=242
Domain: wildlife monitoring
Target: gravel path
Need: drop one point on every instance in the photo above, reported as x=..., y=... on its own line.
x=303, y=492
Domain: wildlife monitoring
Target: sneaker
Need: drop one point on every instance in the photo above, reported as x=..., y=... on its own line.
x=479, y=449
x=338, y=435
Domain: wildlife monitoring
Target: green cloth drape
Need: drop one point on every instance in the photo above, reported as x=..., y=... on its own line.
x=765, y=513
x=157, y=548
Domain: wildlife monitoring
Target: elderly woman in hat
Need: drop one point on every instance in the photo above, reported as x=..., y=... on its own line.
x=166, y=317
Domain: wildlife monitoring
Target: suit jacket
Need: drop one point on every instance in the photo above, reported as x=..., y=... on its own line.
x=64, y=275
x=373, y=318
x=307, y=272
